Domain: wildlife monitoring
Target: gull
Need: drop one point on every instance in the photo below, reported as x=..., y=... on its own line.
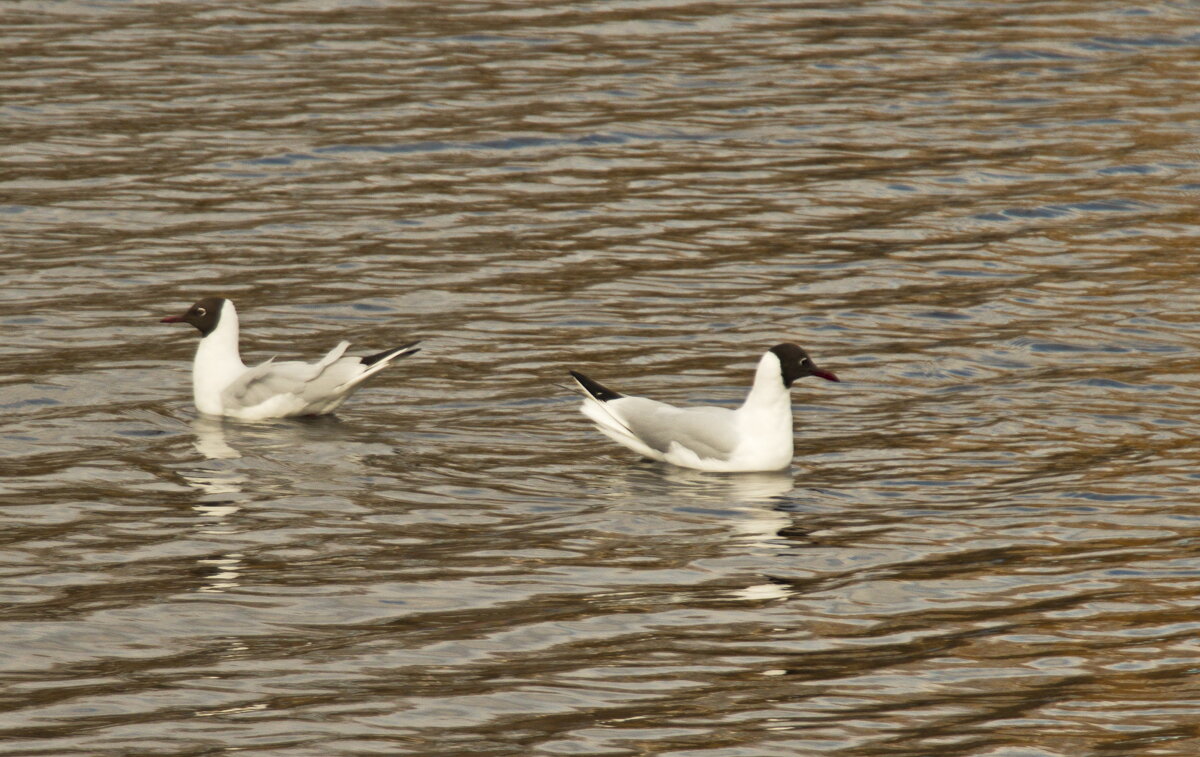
x=755, y=437
x=223, y=385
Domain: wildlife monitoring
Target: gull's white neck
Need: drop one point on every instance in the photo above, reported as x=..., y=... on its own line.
x=218, y=362
x=768, y=394
x=764, y=420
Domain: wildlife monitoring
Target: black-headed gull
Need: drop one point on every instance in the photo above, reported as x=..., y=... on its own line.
x=223, y=385
x=755, y=437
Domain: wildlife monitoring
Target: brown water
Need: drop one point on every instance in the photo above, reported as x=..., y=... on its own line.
x=982, y=215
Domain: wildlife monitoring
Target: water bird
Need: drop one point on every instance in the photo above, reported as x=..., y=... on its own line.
x=755, y=437
x=223, y=385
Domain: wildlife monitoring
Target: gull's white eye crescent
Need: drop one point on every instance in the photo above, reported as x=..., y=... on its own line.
x=201, y=312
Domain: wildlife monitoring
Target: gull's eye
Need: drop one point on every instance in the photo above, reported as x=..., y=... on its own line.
x=201, y=312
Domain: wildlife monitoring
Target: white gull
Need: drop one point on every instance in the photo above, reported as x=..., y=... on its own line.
x=223, y=385
x=755, y=437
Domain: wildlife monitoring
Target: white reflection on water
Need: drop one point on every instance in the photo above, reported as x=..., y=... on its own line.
x=732, y=488
x=219, y=483
x=748, y=502
x=223, y=487
x=210, y=439
x=222, y=573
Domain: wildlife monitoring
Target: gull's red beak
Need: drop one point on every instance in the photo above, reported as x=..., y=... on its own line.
x=172, y=319
x=827, y=375
x=813, y=370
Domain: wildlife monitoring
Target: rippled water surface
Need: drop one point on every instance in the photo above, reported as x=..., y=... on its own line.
x=980, y=214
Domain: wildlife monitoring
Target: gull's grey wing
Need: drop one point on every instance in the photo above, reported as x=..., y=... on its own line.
x=707, y=431
x=270, y=379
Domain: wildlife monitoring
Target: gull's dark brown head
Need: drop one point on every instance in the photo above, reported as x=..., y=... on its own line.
x=204, y=315
x=794, y=363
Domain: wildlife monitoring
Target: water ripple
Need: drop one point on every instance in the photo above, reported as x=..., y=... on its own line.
x=980, y=216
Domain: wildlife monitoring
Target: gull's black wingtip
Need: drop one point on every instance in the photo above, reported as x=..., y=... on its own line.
x=595, y=388
x=408, y=349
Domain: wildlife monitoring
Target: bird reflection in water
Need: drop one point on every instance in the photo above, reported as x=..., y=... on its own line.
x=753, y=505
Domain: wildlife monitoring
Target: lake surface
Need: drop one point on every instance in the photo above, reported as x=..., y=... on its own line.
x=981, y=215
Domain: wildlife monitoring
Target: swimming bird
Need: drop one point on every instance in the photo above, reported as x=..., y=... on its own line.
x=223, y=385
x=755, y=437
